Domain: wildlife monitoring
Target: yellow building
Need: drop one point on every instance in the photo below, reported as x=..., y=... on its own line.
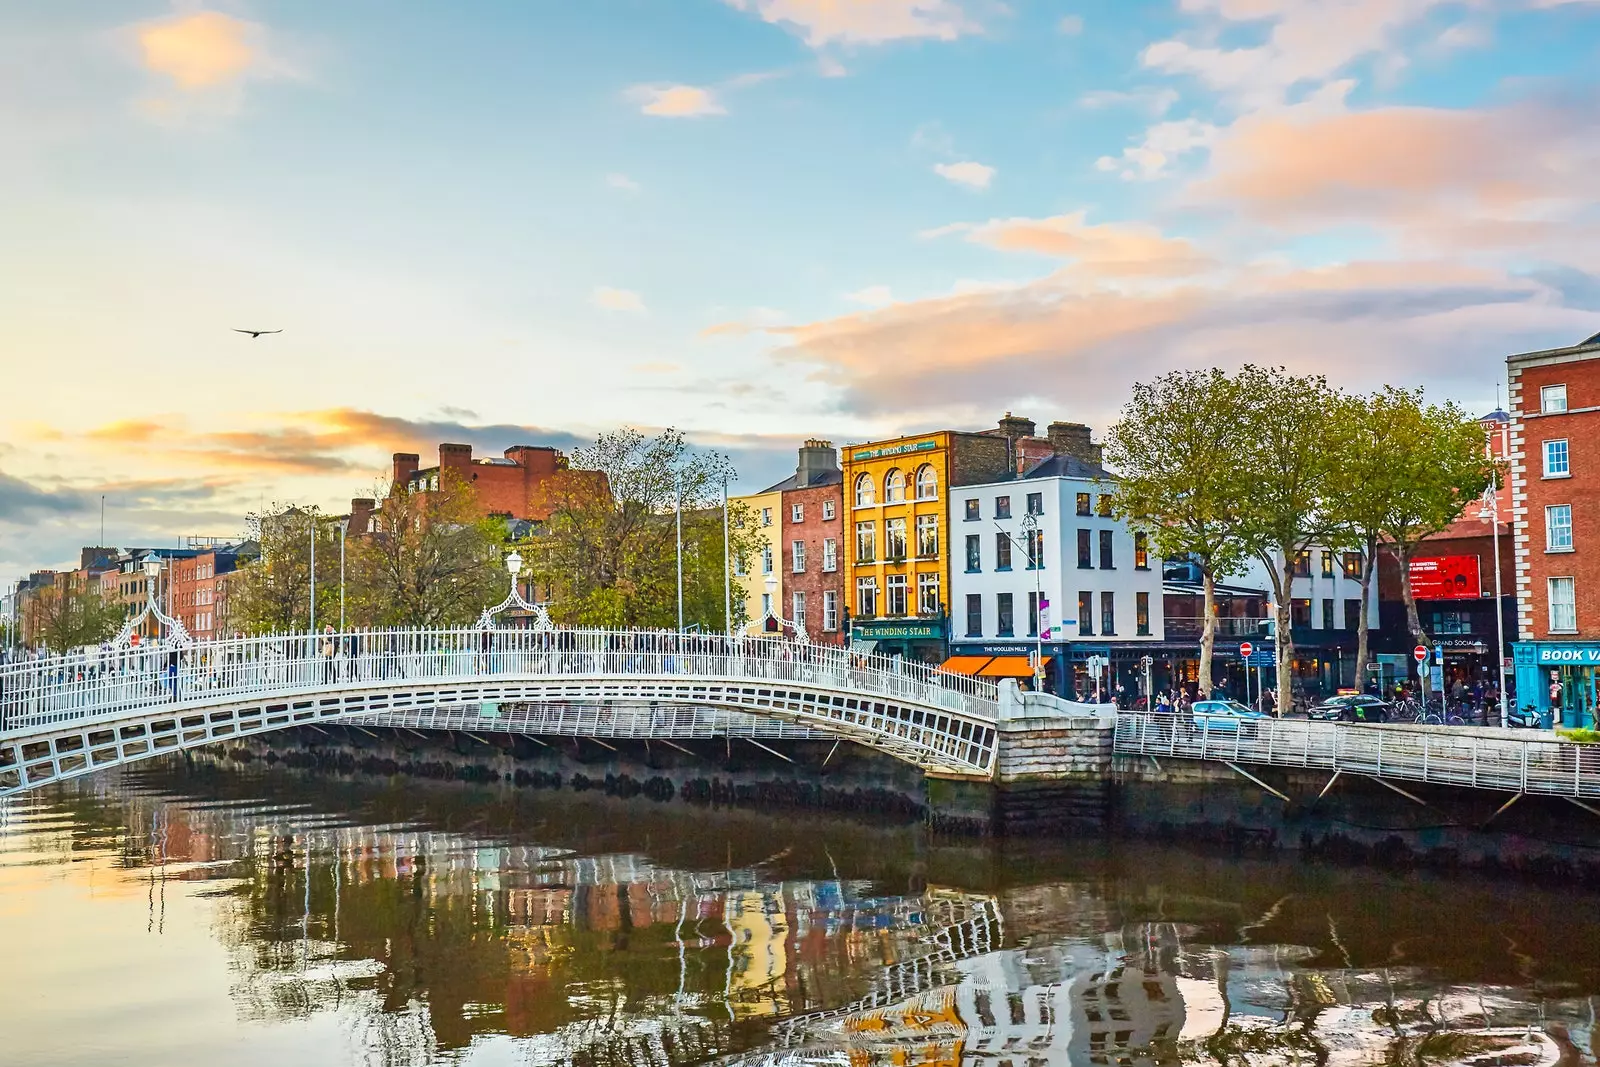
x=757, y=577
x=896, y=534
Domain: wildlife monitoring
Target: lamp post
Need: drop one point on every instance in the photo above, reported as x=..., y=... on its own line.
x=344, y=528
x=1490, y=513
x=1030, y=525
x=679, y=519
x=152, y=575
x=727, y=566
x=313, y=574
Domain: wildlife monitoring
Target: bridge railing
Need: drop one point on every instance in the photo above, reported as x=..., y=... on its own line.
x=1512, y=760
x=97, y=685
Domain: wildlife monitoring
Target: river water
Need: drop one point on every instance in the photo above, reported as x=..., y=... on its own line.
x=222, y=916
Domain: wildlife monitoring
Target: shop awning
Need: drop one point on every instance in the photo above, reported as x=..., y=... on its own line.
x=862, y=648
x=1007, y=667
x=964, y=664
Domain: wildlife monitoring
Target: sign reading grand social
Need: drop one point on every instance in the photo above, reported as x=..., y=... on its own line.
x=1445, y=578
x=1573, y=654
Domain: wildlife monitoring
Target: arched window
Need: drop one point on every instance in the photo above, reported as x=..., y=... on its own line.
x=864, y=491
x=894, y=487
x=927, y=483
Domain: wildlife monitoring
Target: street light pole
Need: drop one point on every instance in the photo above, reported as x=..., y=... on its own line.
x=1030, y=524
x=727, y=565
x=313, y=574
x=1491, y=512
x=344, y=528
x=680, y=550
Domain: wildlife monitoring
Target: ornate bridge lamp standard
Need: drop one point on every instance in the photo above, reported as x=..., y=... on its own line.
x=541, y=615
x=177, y=634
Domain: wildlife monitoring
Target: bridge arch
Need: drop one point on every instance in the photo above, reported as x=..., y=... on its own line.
x=71, y=715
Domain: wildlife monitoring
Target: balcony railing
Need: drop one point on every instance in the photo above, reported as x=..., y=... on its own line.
x=1183, y=627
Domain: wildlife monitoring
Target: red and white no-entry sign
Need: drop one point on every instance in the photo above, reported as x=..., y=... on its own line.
x=1419, y=653
x=1245, y=648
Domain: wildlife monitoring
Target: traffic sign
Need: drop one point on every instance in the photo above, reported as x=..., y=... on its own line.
x=1245, y=648
x=1420, y=653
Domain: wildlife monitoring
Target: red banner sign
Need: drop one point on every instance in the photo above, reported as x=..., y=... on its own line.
x=1445, y=578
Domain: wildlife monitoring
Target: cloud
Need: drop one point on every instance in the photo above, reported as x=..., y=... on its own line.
x=622, y=183
x=872, y=296
x=968, y=173
x=675, y=101
x=829, y=67
x=1071, y=25
x=656, y=367
x=201, y=50
x=1152, y=101
x=1110, y=250
x=611, y=299
x=1162, y=144
x=823, y=22
x=22, y=502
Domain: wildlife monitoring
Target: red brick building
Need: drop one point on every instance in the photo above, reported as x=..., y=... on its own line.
x=1555, y=489
x=811, y=540
x=509, y=487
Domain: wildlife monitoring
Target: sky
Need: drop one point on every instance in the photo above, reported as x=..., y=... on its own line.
x=530, y=221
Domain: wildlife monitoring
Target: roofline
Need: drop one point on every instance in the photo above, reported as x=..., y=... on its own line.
x=1565, y=354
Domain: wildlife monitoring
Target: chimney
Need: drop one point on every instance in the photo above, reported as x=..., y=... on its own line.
x=455, y=458
x=1072, y=439
x=1015, y=426
x=405, y=465
x=361, y=509
x=816, y=459
x=539, y=461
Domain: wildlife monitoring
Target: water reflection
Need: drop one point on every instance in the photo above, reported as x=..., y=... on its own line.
x=249, y=917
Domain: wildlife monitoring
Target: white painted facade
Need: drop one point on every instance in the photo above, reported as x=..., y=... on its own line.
x=1330, y=591
x=1134, y=592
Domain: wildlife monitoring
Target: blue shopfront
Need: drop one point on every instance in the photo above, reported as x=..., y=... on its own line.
x=1560, y=676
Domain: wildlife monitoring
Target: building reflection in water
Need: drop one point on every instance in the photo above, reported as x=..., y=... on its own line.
x=429, y=940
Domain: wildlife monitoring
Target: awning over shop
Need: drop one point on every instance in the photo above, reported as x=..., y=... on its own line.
x=862, y=648
x=1007, y=667
x=969, y=665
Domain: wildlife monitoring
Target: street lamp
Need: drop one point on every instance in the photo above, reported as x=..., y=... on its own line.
x=344, y=528
x=1030, y=525
x=1490, y=513
x=514, y=599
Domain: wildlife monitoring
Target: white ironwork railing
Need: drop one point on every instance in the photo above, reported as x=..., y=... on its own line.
x=100, y=685
x=1480, y=758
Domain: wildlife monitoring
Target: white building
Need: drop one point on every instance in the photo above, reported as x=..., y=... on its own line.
x=1049, y=535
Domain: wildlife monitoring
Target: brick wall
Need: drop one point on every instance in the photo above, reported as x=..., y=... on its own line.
x=812, y=530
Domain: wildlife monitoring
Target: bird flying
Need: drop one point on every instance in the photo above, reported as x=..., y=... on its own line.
x=256, y=333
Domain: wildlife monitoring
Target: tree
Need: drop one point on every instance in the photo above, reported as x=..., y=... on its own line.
x=1293, y=439
x=607, y=553
x=70, y=612
x=430, y=559
x=1175, y=451
x=1439, y=466
x=273, y=594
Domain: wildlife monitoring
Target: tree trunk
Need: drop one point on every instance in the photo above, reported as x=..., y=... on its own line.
x=1285, y=635
x=1413, y=619
x=1208, y=632
x=1369, y=565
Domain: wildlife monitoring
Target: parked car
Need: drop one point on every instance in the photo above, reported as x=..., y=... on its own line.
x=1352, y=707
x=1219, y=715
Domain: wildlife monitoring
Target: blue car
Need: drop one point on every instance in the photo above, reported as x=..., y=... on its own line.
x=1217, y=716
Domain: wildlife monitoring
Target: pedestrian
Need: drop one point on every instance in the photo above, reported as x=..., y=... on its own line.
x=329, y=650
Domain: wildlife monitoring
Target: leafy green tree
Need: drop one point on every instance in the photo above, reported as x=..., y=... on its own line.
x=273, y=594
x=70, y=612
x=1293, y=436
x=607, y=553
x=429, y=559
x=1176, y=453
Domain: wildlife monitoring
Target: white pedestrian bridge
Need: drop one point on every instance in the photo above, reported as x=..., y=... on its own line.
x=69, y=715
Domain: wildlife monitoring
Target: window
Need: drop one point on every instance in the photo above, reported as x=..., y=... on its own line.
x=1300, y=611
x=1452, y=622
x=896, y=594
x=1558, y=528
x=1083, y=503
x=1003, y=624
x=973, y=511
x=766, y=516
x=974, y=614
x=797, y=513
x=797, y=556
x=1555, y=459
x=866, y=597
x=927, y=536
x=1035, y=503
x=1106, y=563
x=1035, y=550
x=928, y=594
x=1353, y=565
x=827, y=510
x=1327, y=565
x=1141, y=614
x=894, y=539
x=1002, y=507
x=1563, y=606
x=865, y=491
x=739, y=567
x=1108, y=613
x=766, y=559
x=974, y=553
x=1141, y=552
x=830, y=555
x=1102, y=506
x=1085, y=549
x=1033, y=614
x=799, y=609
x=927, y=483
x=1327, y=614
x=830, y=610
x=1553, y=399
x=866, y=542
x=766, y=606
x=1002, y=552
x=894, y=487
x=1301, y=567
x=1085, y=614
x=1352, y=614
